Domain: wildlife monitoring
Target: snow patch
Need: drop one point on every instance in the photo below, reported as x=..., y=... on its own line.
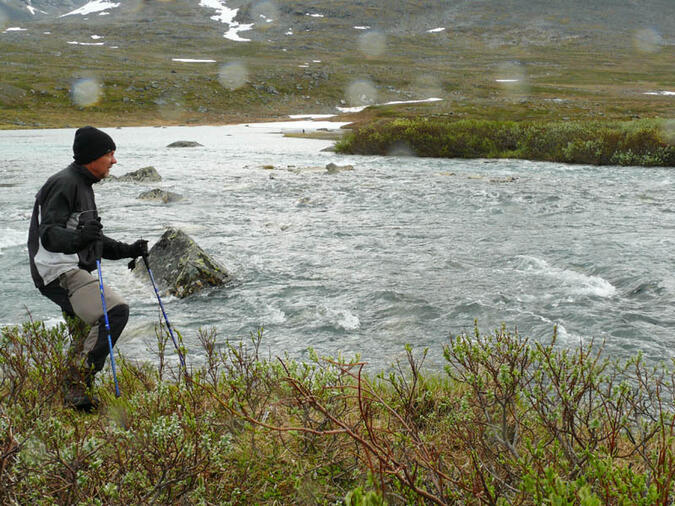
x=362, y=107
x=666, y=93
x=75, y=43
x=191, y=60
x=226, y=16
x=436, y=30
x=92, y=8
x=33, y=10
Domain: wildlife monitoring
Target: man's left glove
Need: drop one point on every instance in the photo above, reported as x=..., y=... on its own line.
x=138, y=249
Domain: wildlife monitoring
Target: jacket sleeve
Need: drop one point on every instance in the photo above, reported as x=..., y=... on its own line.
x=54, y=234
x=115, y=250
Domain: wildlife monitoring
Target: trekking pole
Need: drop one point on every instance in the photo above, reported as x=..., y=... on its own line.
x=105, y=314
x=166, y=319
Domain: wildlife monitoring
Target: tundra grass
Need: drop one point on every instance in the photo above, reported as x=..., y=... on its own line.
x=141, y=85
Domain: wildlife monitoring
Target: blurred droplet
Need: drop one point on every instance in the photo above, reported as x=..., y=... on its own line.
x=668, y=131
x=119, y=417
x=512, y=78
x=86, y=92
x=647, y=40
x=233, y=75
x=427, y=86
x=134, y=6
x=372, y=44
x=400, y=148
x=361, y=92
x=4, y=19
x=265, y=12
x=170, y=106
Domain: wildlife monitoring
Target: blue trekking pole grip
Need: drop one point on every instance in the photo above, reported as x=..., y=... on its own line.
x=166, y=319
x=99, y=251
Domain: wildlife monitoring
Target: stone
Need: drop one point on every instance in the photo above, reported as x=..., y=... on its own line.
x=331, y=168
x=184, y=144
x=180, y=267
x=144, y=175
x=160, y=195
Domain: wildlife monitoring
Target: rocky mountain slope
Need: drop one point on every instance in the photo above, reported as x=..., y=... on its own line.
x=147, y=57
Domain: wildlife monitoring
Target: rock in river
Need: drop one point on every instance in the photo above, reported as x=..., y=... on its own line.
x=160, y=195
x=184, y=144
x=144, y=175
x=181, y=267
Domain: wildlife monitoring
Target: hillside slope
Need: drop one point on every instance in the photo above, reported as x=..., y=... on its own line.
x=521, y=59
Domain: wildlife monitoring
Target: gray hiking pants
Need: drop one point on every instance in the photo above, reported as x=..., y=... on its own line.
x=78, y=294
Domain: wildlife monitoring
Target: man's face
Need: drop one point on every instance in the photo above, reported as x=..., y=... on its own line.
x=100, y=167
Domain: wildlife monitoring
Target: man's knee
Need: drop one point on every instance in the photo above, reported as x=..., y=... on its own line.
x=117, y=318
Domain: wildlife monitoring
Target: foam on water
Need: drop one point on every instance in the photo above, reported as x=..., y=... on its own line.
x=576, y=282
x=10, y=237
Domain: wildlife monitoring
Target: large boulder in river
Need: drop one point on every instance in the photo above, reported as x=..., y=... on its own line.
x=144, y=175
x=184, y=144
x=181, y=267
x=159, y=195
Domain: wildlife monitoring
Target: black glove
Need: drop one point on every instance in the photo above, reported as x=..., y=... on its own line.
x=138, y=249
x=90, y=231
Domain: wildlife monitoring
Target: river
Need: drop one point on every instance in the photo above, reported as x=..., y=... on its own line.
x=398, y=250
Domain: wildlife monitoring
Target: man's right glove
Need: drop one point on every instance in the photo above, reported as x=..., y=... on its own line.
x=90, y=231
x=138, y=249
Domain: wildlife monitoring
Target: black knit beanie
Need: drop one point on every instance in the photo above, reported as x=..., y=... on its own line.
x=91, y=143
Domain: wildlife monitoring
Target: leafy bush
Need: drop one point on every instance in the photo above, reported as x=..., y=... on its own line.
x=509, y=422
x=596, y=143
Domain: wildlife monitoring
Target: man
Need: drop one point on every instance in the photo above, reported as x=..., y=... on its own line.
x=64, y=241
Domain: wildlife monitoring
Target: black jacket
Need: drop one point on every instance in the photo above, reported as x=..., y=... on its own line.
x=55, y=245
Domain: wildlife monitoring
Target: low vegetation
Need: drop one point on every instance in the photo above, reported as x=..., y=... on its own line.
x=509, y=421
x=645, y=142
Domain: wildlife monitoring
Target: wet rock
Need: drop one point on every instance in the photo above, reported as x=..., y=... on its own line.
x=144, y=175
x=506, y=179
x=180, y=267
x=184, y=144
x=159, y=195
x=331, y=168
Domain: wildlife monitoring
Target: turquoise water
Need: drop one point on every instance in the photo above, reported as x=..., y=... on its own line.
x=398, y=250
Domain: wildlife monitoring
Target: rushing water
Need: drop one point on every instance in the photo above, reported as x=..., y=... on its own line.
x=398, y=250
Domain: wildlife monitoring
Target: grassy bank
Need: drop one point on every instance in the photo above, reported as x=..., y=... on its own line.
x=643, y=142
x=508, y=422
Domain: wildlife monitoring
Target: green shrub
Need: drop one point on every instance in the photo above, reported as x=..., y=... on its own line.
x=595, y=143
x=510, y=422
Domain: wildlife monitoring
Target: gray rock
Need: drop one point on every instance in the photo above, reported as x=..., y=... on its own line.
x=160, y=195
x=331, y=168
x=180, y=267
x=184, y=144
x=144, y=175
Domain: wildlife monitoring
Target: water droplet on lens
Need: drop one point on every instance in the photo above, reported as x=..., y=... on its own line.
x=4, y=18
x=361, y=92
x=427, y=86
x=647, y=40
x=512, y=78
x=86, y=92
x=400, y=149
x=668, y=131
x=233, y=75
x=265, y=12
x=372, y=44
